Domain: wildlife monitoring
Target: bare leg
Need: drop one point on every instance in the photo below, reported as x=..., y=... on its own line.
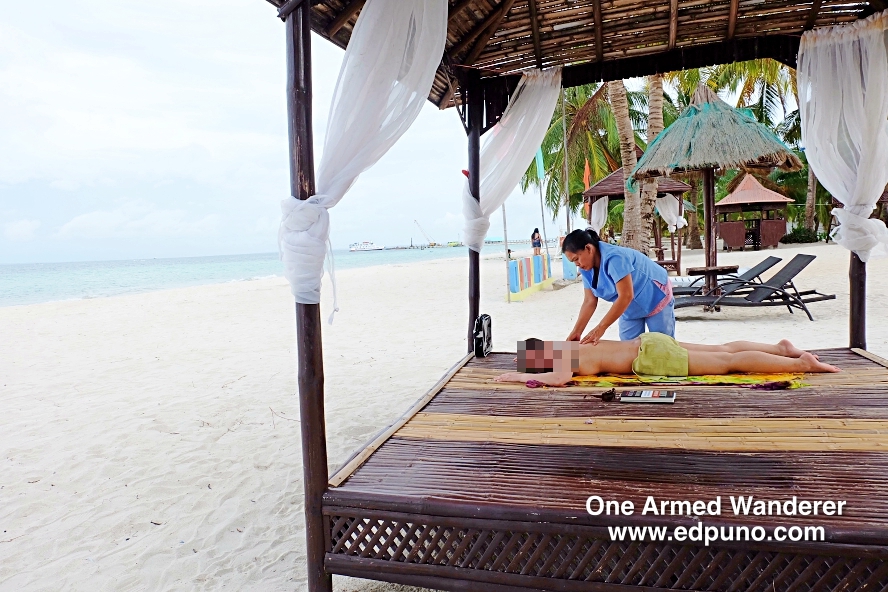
x=707, y=362
x=784, y=348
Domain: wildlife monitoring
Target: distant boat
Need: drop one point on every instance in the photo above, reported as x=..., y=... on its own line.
x=365, y=246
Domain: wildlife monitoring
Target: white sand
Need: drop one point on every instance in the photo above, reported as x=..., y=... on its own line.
x=119, y=413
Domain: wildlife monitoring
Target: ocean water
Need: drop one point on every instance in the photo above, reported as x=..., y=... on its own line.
x=31, y=283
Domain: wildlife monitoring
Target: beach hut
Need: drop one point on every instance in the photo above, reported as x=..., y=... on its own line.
x=762, y=215
x=711, y=135
x=481, y=486
x=612, y=187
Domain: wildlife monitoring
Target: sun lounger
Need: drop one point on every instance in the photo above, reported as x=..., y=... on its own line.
x=778, y=290
x=731, y=282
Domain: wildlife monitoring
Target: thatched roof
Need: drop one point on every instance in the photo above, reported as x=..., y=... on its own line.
x=607, y=39
x=751, y=192
x=613, y=186
x=712, y=134
x=765, y=182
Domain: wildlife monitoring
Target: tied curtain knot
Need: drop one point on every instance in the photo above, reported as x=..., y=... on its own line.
x=860, y=233
x=304, y=244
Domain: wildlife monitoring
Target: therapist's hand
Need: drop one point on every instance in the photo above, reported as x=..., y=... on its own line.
x=594, y=336
x=574, y=336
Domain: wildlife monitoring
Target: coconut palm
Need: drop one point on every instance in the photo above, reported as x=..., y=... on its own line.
x=632, y=236
x=764, y=87
x=592, y=137
x=649, y=188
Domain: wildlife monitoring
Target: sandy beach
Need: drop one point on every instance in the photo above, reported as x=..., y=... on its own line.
x=151, y=441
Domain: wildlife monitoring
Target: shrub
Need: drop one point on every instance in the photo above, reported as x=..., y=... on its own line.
x=800, y=234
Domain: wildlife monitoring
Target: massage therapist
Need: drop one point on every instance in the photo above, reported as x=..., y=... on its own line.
x=638, y=288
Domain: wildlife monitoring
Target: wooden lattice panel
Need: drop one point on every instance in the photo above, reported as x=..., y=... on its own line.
x=584, y=558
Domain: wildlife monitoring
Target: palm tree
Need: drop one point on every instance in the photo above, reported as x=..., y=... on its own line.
x=649, y=188
x=591, y=136
x=763, y=85
x=632, y=231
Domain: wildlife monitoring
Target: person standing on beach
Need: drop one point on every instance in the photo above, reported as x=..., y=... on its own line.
x=639, y=289
x=537, y=241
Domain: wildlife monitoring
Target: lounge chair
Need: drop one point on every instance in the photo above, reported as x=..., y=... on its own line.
x=778, y=290
x=727, y=283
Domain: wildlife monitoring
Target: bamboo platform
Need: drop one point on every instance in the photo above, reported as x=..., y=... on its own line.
x=483, y=486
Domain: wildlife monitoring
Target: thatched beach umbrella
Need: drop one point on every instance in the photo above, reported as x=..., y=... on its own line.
x=711, y=135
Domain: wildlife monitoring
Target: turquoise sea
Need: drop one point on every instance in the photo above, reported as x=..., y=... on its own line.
x=31, y=283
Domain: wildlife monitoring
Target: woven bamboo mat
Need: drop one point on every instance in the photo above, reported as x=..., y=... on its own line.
x=731, y=434
x=845, y=411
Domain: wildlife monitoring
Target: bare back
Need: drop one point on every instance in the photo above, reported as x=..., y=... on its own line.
x=608, y=357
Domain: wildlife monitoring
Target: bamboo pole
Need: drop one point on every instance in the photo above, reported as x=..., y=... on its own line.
x=508, y=259
x=543, y=216
x=310, y=362
x=564, y=172
x=475, y=113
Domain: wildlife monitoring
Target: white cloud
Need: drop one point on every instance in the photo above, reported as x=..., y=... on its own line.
x=136, y=220
x=20, y=230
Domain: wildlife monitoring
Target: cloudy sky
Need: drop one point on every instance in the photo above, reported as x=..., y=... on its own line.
x=158, y=129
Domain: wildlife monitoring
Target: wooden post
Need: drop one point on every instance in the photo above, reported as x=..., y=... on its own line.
x=709, y=223
x=857, y=275
x=310, y=362
x=543, y=220
x=475, y=115
x=564, y=171
x=508, y=259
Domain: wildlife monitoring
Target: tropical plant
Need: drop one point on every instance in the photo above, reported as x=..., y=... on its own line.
x=655, y=125
x=632, y=236
x=591, y=137
x=800, y=235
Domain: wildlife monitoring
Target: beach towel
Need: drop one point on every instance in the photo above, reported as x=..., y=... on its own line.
x=758, y=381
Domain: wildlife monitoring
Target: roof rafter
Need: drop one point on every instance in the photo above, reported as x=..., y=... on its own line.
x=783, y=48
x=673, y=23
x=732, y=18
x=454, y=10
x=812, y=16
x=599, y=36
x=535, y=31
x=476, y=31
x=349, y=11
x=484, y=38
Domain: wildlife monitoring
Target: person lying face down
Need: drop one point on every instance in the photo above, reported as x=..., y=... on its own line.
x=654, y=354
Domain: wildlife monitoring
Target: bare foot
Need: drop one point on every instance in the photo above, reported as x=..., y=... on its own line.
x=509, y=377
x=814, y=365
x=791, y=351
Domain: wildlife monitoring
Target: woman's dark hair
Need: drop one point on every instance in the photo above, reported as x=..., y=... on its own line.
x=535, y=232
x=577, y=240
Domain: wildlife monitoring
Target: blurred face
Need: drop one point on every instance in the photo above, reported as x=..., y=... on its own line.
x=554, y=355
x=535, y=359
x=585, y=259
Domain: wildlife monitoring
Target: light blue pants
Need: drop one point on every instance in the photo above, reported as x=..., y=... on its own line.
x=662, y=322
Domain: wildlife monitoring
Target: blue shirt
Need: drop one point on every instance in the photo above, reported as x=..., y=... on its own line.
x=617, y=263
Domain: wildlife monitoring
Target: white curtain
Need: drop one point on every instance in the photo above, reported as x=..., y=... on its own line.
x=385, y=79
x=669, y=208
x=509, y=147
x=598, y=214
x=843, y=102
